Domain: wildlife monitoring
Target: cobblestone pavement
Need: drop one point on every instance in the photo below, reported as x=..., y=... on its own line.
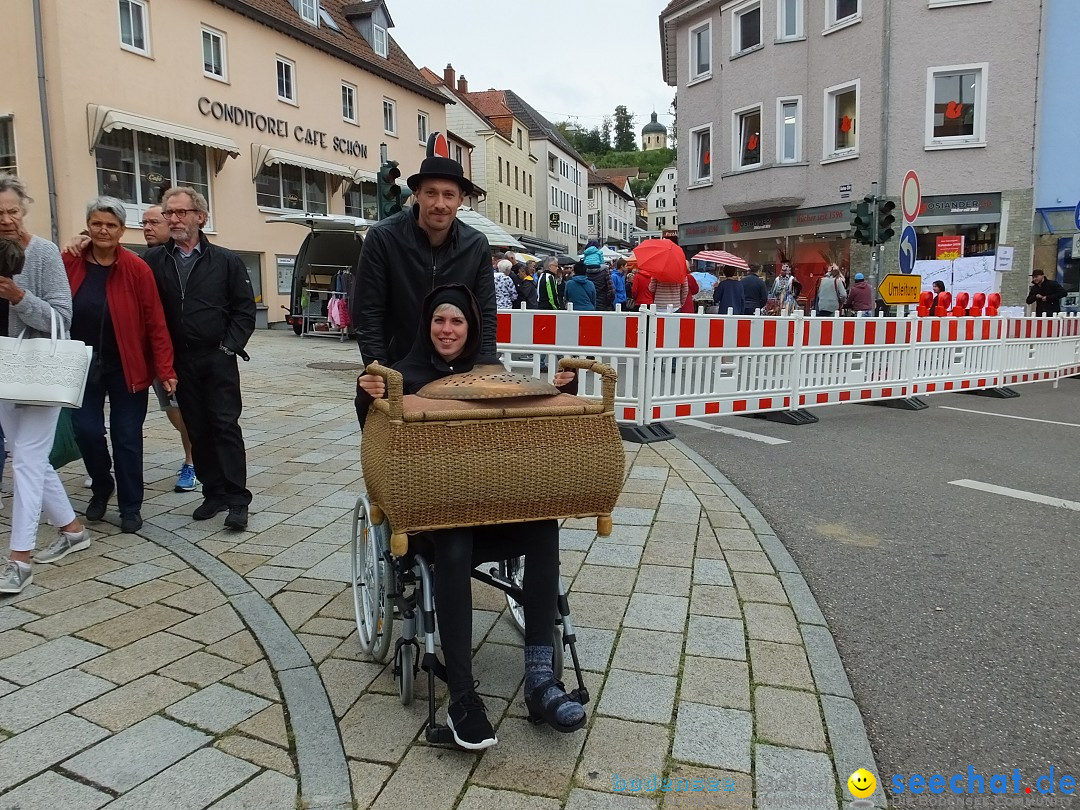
x=192, y=667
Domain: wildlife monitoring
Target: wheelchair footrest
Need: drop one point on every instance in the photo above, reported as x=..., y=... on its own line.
x=579, y=695
x=431, y=663
x=439, y=735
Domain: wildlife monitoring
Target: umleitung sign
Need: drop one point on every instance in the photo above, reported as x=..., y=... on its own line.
x=897, y=288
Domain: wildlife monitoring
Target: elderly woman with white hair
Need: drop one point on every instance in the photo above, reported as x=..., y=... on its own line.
x=117, y=311
x=28, y=301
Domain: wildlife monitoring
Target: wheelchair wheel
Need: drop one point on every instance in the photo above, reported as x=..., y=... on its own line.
x=370, y=582
x=514, y=570
x=405, y=666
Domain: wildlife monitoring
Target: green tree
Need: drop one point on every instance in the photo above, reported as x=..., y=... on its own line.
x=625, y=139
x=605, y=133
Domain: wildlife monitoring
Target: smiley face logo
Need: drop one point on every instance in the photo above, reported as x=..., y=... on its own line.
x=861, y=783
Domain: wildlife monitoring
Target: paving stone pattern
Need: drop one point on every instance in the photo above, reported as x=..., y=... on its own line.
x=193, y=667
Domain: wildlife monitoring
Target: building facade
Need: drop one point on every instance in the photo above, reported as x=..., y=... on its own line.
x=612, y=212
x=266, y=107
x=783, y=128
x=1057, y=169
x=663, y=201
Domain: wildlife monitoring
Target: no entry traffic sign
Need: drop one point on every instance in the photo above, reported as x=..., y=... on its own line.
x=911, y=197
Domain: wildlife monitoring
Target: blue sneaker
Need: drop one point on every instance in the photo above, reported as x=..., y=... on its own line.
x=186, y=480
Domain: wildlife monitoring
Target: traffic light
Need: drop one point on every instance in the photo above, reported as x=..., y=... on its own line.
x=885, y=219
x=388, y=190
x=861, y=223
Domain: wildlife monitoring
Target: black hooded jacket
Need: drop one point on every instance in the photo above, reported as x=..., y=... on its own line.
x=423, y=364
x=398, y=267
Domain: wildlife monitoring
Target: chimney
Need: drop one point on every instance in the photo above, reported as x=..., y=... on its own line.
x=448, y=75
x=462, y=84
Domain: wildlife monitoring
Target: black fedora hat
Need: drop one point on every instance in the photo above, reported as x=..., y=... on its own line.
x=442, y=168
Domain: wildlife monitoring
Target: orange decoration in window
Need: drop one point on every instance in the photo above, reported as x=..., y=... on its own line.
x=954, y=109
x=707, y=159
x=847, y=123
x=752, y=143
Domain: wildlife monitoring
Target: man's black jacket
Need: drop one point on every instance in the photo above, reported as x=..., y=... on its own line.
x=398, y=267
x=1053, y=291
x=214, y=308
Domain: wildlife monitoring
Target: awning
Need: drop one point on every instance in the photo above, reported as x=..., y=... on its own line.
x=496, y=235
x=101, y=119
x=268, y=156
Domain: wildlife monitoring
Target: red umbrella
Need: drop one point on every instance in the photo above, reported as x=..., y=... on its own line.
x=662, y=259
x=721, y=257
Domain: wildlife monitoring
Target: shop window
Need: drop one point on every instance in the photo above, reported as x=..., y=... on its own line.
x=134, y=26
x=382, y=44
x=286, y=80
x=213, y=54
x=701, y=52
x=291, y=188
x=956, y=106
x=348, y=102
x=138, y=168
x=746, y=137
x=746, y=28
x=842, y=121
x=789, y=19
x=361, y=200
x=7, y=146
x=309, y=11
x=844, y=11
x=253, y=263
x=701, y=155
x=789, y=129
x=422, y=127
x=389, y=116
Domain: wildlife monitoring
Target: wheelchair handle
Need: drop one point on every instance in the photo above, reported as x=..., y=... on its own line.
x=606, y=372
x=395, y=388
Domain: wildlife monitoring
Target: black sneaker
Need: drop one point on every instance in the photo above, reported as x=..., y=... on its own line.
x=129, y=524
x=95, y=510
x=468, y=721
x=237, y=518
x=208, y=508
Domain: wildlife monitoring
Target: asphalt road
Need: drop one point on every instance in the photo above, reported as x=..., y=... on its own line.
x=956, y=612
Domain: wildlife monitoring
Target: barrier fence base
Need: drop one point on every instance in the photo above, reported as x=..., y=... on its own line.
x=995, y=393
x=801, y=416
x=906, y=404
x=646, y=434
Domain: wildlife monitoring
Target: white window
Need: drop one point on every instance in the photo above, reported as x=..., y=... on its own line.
x=7, y=146
x=789, y=19
x=458, y=154
x=348, y=102
x=956, y=106
x=701, y=52
x=389, y=116
x=291, y=188
x=134, y=28
x=382, y=44
x=746, y=27
x=842, y=120
x=701, y=155
x=138, y=167
x=946, y=3
x=789, y=130
x=842, y=12
x=746, y=137
x=213, y=54
x=309, y=11
x=286, y=80
x=422, y=127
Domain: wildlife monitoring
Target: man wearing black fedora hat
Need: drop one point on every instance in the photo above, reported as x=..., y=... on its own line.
x=407, y=255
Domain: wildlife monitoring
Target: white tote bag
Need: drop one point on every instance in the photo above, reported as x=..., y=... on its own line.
x=44, y=371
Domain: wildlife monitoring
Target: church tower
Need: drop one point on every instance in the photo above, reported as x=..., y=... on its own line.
x=654, y=135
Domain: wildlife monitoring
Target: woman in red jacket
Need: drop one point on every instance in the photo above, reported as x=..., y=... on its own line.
x=117, y=311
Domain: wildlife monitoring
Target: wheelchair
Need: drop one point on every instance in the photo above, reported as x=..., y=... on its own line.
x=387, y=586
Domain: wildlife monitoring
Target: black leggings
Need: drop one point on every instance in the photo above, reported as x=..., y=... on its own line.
x=457, y=552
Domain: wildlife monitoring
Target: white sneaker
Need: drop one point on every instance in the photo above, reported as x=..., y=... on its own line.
x=89, y=482
x=15, y=577
x=65, y=544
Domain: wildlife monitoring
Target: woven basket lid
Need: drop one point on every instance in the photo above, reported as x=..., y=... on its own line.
x=486, y=382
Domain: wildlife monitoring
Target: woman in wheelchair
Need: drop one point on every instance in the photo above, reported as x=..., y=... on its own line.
x=448, y=342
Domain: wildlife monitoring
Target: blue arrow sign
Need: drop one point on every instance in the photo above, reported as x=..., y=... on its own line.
x=909, y=249
x=1076, y=216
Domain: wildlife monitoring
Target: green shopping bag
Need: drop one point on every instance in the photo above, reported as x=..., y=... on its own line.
x=64, y=449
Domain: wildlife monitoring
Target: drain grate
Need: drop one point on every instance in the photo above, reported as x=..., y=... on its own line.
x=331, y=365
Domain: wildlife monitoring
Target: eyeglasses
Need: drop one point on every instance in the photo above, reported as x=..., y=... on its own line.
x=150, y=223
x=178, y=212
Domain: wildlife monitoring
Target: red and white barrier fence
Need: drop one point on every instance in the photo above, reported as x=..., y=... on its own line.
x=680, y=366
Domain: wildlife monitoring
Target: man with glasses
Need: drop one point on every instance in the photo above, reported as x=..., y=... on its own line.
x=210, y=310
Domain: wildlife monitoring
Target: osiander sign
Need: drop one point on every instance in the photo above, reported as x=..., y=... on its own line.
x=243, y=117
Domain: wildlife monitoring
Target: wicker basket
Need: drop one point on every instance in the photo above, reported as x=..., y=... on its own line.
x=436, y=464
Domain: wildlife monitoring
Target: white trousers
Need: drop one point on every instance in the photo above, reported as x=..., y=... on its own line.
x=29, y=431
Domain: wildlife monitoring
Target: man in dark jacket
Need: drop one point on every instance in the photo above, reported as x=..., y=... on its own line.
x=210, y=311
x=1045, y=294
x=410, y=253
x=755, y=296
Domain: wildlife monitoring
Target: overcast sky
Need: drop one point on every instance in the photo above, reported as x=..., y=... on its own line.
x=567, y=58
